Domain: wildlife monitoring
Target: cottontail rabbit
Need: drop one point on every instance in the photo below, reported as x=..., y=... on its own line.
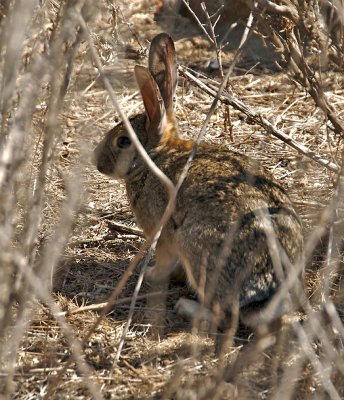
x=224, y=210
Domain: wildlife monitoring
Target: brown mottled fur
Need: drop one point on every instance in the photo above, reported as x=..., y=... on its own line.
x=216, y=229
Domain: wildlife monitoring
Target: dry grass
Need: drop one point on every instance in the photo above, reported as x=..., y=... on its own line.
x=58, y=213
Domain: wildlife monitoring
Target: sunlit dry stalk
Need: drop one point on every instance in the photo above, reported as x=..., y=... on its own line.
x=151, y=242
x=12, y=152
x=55, y=64
x=334, y=245
x=212, y=37
x=228, y=242
x=38, y=285
x=109, y=305
x=292, y=49
x=132, y=305
x=318, y=95
x=322, y=372
x=100, y=306
x=288, y=9
x=18, y=21
x=313, y=86
x=12, y=156
x=16, y=146
x=305, y=74
x=42, y=68
x=259, y=120
x=295, y=361
x=313, y=329
x=44, y=295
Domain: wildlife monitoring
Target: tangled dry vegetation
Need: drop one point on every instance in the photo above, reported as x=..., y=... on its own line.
x=67, y=235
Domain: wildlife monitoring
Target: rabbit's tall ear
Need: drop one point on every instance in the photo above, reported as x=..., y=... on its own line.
x=152, y=101
x=163, y=67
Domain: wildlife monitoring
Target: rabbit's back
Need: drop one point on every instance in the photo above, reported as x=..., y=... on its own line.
x=218, y=218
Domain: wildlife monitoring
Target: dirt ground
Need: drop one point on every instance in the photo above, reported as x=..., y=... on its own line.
x=181, y=364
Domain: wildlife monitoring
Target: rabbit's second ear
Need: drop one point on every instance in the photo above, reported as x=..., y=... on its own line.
x=163, y=67
x=153, y=103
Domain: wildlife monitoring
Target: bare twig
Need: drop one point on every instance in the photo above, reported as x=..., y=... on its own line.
x=101, y=306
x=187, y=5
x=217, y=47
x=118, y=226
x=258, y=119
x=289, y=10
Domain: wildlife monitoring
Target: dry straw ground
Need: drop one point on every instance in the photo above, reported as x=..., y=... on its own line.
x=60, y=217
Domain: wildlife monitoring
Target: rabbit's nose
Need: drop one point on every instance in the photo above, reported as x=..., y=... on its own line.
x=101, y=165
x=101, y=168
x=95, y=156
x=98, y=160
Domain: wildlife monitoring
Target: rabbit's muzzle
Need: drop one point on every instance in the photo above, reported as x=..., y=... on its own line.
x=101, y=160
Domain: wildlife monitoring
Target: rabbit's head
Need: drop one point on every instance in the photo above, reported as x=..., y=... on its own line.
x=116, y=154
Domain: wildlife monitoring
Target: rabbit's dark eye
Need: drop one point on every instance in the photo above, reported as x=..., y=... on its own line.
x=123, y=142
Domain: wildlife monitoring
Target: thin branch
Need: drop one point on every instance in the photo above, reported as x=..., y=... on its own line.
x=288, y=11
x=101, y=306
x=186, y=3
x=212, y=34
x=259, y=120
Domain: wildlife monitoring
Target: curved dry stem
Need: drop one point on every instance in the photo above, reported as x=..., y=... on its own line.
x=260, y=120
